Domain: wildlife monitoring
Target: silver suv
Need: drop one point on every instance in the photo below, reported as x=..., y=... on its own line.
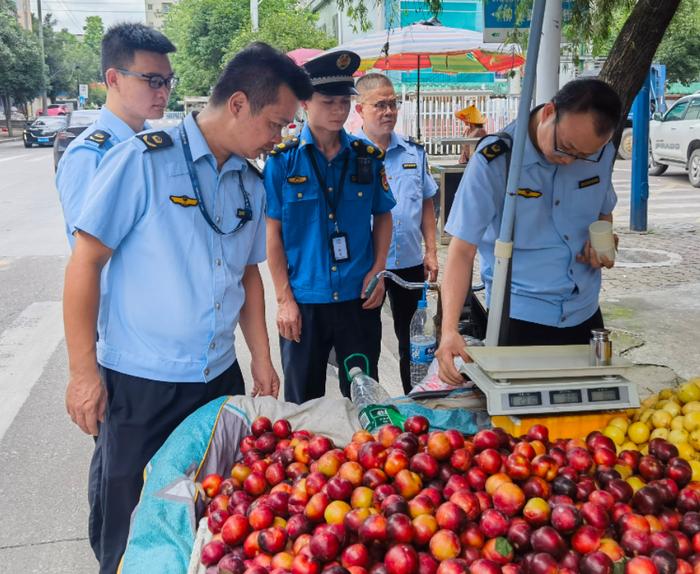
x=674, y=139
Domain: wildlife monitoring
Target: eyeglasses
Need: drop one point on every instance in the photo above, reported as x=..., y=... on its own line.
x=590, y=158
x=155, y=81
x=384, y=105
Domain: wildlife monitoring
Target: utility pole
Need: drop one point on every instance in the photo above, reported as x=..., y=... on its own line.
x=254, y=15
x=43, y=57
x=550, y=50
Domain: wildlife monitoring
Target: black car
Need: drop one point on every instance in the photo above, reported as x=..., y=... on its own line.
x=77, y=122
x=42, y=131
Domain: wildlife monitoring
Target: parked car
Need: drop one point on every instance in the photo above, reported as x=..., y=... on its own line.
x=76, y=122
x=56, y=110
x=43, y=130
x=674, y=139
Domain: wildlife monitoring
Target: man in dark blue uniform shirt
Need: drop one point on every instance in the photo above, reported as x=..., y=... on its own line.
x=328, y=234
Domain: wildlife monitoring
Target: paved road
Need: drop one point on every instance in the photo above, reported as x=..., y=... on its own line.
x=42, y=455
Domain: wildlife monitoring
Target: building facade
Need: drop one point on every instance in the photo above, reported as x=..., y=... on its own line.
x=156, y=12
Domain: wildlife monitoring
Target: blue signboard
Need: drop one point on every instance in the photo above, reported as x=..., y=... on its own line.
x=501, y=18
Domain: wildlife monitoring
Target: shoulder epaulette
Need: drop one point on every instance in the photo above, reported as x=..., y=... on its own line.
x=414, y=141
x=365, y=149
x=155, y=140
x=254, y=168
x=492, y=151
x=99, y=137
x=285, y=146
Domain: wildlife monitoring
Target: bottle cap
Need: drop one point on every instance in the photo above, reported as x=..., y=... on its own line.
x=356, y=371
x=422, y=304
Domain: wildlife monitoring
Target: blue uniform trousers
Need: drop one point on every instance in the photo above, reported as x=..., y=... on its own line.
x=139, y=417
x=345, y=326
x=404, y=303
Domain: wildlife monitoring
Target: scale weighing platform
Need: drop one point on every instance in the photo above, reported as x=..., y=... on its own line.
x=548, y=380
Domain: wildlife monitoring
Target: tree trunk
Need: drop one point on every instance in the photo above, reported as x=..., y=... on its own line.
x=8, y=114
x=633, y=51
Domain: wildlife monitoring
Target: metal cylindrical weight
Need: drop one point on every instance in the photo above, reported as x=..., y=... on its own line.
x=601, y=348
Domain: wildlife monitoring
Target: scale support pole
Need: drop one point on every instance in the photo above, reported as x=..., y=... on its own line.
x=547, y=80
x=640, y=158
x=254, y=24
x=500, y=289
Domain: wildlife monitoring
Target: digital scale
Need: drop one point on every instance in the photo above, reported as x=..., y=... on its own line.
x=548, y=379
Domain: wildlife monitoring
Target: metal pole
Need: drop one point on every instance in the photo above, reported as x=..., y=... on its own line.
x=547, y=81
x=418, y=102
x=43, y=58
x=254, y=15
x=640, y=158
x=503, y=249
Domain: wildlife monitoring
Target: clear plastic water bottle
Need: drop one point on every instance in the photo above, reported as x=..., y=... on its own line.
x=371, y=401
x=423, y=342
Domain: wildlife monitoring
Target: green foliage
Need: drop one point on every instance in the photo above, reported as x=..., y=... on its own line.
x=20, y=63
x=94, y=30
x=680, y=48
x=202, y=31
x=284, y=25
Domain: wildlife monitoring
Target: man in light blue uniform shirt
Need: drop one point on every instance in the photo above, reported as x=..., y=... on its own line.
x=565, y=185
x=328, y=231
x=179, y=215
x=413, y=217
x=138, y=77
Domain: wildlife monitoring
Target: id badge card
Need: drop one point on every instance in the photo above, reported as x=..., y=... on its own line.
x=339, y=247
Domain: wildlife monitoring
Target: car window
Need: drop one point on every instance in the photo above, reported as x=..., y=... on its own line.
x=84, y=118
x=693, y=112
x=676, y=112
x=50, y=121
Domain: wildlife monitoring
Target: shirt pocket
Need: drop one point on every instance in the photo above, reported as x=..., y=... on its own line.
x=301, y=204
x=586, y=199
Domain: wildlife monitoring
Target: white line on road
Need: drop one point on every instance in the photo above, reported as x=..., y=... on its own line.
x=14, y=157
x=25, y=347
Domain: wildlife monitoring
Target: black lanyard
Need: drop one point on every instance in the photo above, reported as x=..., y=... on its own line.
x=245, y=214
x=332, y=202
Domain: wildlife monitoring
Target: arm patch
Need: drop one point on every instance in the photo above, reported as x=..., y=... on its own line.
x=284, y=146
x=155, y=140
x=492, y=151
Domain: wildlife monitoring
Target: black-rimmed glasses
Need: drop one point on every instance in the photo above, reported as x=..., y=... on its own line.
x=155, y=81
x=594, y=158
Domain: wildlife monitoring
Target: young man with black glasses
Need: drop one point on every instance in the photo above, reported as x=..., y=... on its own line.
x=564, y=186
x=138, y=76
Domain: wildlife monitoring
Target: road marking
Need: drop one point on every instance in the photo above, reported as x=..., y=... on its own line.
x=14, y=157
x=38, y=158
x=25, y=347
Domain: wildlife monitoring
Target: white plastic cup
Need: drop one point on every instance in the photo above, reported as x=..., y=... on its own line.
x=602, y=240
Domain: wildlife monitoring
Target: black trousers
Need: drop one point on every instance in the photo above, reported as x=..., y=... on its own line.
x=403, y=304
x=345, y=326
x=522, y=333
x=139, y=417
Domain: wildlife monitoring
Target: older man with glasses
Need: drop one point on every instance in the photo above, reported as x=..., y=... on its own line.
x=564, y=186
x=409, y=178
x=138, y=76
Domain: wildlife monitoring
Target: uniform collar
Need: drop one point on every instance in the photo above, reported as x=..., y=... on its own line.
x=394, y=141
x=200, y=148
x=115, y=125
x=532, y=155
x=307, y=138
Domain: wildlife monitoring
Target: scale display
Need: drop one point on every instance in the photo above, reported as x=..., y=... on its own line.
x=565, y=397
x=604, y=394
x=525, y=399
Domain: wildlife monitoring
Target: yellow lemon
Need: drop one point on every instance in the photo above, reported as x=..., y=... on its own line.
x=617, y=435
x=624, y=470
x=644, y=449
x=678, y=436
x=659, y=433
x=649, y=402
x=686, y=451
x=673, y=408
x=695, y=466
x=665, y=394
x=635, y=482
x=629, y=445
x=620, y=422
x=694, y=439
x=678, y=422
x=637, y=432
x=695, y=381
x=691, y=421
x=691, y=407
x=688, y=392
x=661, y=419
x=646, y=415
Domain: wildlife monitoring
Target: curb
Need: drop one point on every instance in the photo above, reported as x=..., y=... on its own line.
x=8, y=140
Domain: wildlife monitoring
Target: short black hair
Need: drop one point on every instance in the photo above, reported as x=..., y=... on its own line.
x=258, y=71
x=591, y=95
x=121, y=41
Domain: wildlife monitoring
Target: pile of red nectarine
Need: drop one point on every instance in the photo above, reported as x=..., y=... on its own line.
x=412, y=501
